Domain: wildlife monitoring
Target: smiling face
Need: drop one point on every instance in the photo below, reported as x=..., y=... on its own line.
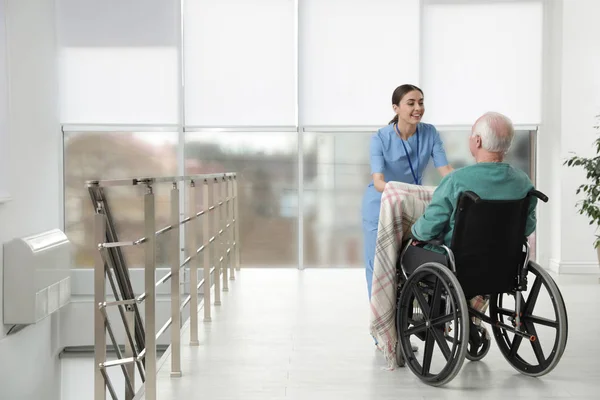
x=411, y=108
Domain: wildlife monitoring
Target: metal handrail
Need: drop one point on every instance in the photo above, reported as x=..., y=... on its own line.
x=219, y=246
x=161, y=179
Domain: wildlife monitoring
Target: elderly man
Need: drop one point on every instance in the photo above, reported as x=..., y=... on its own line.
x=490, y=177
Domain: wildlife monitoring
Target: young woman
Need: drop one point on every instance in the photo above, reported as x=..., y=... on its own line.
x=400, y=152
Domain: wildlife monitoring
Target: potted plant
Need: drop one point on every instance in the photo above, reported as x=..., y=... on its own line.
x=590, y=205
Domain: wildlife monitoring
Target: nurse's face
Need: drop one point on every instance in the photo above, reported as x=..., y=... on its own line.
x=411, y=108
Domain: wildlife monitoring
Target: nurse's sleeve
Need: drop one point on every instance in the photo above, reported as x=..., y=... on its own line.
x=438, y=153
x=376, y=155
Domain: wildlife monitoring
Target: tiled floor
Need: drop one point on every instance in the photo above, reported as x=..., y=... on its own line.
x=293, y=334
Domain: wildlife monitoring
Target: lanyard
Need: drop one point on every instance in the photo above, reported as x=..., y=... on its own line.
x=408, y=156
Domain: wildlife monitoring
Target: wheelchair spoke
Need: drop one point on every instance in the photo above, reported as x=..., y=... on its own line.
x=436, y=299
x=441, y=341
x=516, y=343
x=422, y=302
x=428, y=353
x=541, y=321
x=443, y=319
x=537, y=347
x=533, y=296
x=415, y=329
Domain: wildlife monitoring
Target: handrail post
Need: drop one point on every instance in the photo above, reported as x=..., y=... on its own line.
x=99, y=298
x=192, y=248
x=150, y=302
x=236, y=213
x=130, y=351
x=215, y=245
x=175, y=285
x=223, y=230
x=206, y=230
x=229, y=220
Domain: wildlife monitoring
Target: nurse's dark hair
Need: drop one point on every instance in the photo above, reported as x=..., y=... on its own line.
x=399, y=94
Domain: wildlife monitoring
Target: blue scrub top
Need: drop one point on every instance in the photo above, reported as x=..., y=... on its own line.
x=389, y=158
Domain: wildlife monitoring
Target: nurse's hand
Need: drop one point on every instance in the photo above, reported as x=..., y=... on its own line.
x=379, y=182
x=445, y=170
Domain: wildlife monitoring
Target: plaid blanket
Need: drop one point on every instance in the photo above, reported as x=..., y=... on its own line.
x=401, y=205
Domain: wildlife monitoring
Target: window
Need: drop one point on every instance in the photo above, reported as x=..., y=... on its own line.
x=253, y=72
x=116, y=155
x=118, y=61
x=336, y=174
x=353, y=54
x=482, y=57
x=267, y=165
x=240, y=63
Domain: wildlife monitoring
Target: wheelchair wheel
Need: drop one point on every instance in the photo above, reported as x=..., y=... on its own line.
x=476, y=354
x=440, y=320
x=545, y=350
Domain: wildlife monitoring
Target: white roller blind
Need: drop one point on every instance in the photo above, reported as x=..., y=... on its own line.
x=353, y=54
x=482, y=57
x=240, y=62
x=118, y=61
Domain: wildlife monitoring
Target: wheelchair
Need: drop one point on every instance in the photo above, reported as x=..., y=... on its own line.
x=488, y=259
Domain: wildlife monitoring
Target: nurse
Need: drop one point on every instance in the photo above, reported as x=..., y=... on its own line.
x=400, y=152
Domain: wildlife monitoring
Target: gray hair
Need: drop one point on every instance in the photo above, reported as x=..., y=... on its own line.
x=496, y=132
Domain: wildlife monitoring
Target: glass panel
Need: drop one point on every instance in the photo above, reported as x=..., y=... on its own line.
x=456, y=144
x=267, y=165
x=336, y=173
x=116, y=155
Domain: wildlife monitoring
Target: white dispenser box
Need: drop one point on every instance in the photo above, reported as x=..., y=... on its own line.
x=36, y=276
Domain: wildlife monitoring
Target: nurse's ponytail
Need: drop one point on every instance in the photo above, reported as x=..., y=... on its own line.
x=399, y=94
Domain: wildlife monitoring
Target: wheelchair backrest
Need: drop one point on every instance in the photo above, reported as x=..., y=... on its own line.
x=488, y=242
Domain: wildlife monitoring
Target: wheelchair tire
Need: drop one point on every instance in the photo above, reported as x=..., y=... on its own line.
x=434, y=286
x=509, y=350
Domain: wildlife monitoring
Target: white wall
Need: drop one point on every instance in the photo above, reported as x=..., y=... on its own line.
x=3, y=108
x=30, y=368
x=580, y=103
x=572, y=99
x=548, y=139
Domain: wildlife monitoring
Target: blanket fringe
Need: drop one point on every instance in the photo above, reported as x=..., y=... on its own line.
x=388, y=350
x=390, y=357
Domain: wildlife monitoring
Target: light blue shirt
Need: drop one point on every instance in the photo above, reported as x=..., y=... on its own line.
x=388, y=156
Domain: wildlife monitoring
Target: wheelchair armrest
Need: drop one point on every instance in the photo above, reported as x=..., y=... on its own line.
x=435, y=242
